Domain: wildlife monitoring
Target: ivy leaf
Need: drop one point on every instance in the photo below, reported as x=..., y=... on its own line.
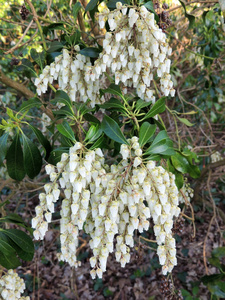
x=146, y=132
x=32, y=157
x=76, y=9
x=185, y=121
x=43, y=140
x=65, y=129
x=90, y=51
x=112, y=130
x=157, y=108
x=3, y=147
x=14, y=160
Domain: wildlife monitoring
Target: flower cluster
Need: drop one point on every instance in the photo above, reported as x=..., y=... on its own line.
x=136, y=49
x=12, y=286
x=216, y=156
x=75, y=76
x=186, y=193
x=109, y=202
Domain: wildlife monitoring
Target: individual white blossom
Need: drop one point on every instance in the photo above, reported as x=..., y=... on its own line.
x=12, y=286
x=185, y=193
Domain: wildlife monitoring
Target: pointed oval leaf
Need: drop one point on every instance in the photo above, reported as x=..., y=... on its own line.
x=180, y=163
x=76, y=9
x=141, y=104
x=32, y=102
x=65, y=129
x=38, y=57
x=146, y=132
x=113, y=103
x=56, y=154
x=9, y=261
x=185, y=121
x=157, y=108
x=43, y=140
x=32, y=157
x=62, y=97
x=6, y=248
x=114, y=90
x=14, y=160
x=90, y=52
x=112, y=130
x=20, y=238
x=3, y=146
x=91, y=5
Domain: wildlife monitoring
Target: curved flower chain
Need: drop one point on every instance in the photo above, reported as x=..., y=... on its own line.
x=109, y=202
x=134, y=50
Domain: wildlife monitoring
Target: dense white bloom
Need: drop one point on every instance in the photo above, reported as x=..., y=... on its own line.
x=12, y=286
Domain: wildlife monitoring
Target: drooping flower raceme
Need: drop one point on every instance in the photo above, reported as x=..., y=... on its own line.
x=134, y=52
x=186, y=193
x=12, y=286
x=110, y=203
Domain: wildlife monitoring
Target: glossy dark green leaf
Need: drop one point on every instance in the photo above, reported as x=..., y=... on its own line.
x=114, y=103
x=91, y=5
x=14, y=160
x=99, y=143
x=217, y=288
x=212, y=278
x=3, y=147
x=190, y=17
x=150, y=6
x=54, y=46
x=146, y=132
x=6, y=248
x=76, y=9
x=27, y=66
x=31, y=103
x=90, y=51
x=38, y=57
x=111, y=4
x=9, y=261
x=32, y=157
x=56, y=154
x=62, y=97
x=156, y=109
x=94, y=132
x=180, y=163
x=113, y=89
x=90, y=118
x=141, y=104
x=43, y=140
x=20, y=238
x=65, y=129
x=112, y=130
x=64, y=112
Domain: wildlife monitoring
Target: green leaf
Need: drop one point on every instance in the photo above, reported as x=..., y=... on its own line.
x=185, y=121
x=32, y=102
x=64, y=112
x=62, y=97
x=157, y=108
x=146, y=132
x=20, y=238
x=90, y=51
x=219, y=252
x=91, y=5
x=65, y=129
x=112, y=130
x=56, y=154
x=14, y=160
x=162, y=144
x=9, y=261
x=215, y=262
x=43, y=140
x=54, y=46
x=32, y=157
x=3, y=147
x=114, y=90
x=217, y=289
x=150, y=6
x=191, y=18
x=180, y=163
x=212, y=278
x=112, y=3
x=27, y=67
x=6, y=248
x=113, y=103
x=76, y=9
x=90, y=118
x=99, y=143
x=93, y=133
x=54, y=26
x=38, y=57
x=141, y=104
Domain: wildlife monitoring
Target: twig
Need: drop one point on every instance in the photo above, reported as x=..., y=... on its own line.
x=20, y=40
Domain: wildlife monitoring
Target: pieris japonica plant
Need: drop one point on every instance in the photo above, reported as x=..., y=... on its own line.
x=110, y=164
